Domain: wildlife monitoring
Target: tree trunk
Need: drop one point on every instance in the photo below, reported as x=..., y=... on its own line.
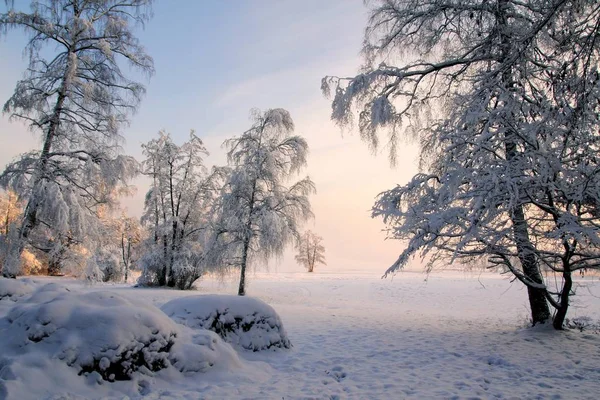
x=561, y=312
x=30, y=214
x=540, y=312
x=242, y=288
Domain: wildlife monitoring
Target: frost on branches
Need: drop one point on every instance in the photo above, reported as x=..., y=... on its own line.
x=257, y=214
x=510, y=169
x=310, y=251
x=177, y=211
x=75, y=96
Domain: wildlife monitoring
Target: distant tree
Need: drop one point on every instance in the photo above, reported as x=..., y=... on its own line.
x=505, y=97
x=11, y=209
x=10, y=212
x=131, y=237
x=76, y=97
x=310, y=251
x=257, y=216
x=176, y=211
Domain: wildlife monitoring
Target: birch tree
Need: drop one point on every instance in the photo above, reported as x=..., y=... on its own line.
x=258, y=215
x=503, y=96
x=176, y=210
x=130, y=235
x=76, y=97
x=310, y=251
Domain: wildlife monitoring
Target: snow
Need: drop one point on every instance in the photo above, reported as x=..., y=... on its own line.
x=244, y=321
x=12, y=289
x=355, y=336
x=102, y=336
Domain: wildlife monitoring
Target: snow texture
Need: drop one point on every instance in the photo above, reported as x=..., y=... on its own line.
x=242, y=321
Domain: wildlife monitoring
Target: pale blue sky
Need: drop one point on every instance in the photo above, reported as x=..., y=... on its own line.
x=215, y=60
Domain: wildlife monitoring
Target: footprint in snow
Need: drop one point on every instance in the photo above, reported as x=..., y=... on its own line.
x=337, y=373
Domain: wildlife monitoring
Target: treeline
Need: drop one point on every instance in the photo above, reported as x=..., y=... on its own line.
x=60, y=210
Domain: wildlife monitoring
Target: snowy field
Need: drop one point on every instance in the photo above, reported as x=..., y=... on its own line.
x=356, y=336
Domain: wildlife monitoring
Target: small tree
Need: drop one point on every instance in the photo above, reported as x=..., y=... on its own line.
x=310, y=251
x=176, y=210
x=131, y=237
x=77, y=99
x=257, y=216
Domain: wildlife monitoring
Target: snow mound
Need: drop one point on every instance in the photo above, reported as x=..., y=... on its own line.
x=105, y=335
x=197, y=351
x=12, y=289
x=242, y=321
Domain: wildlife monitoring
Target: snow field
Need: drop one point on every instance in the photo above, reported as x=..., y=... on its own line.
x=360, y=337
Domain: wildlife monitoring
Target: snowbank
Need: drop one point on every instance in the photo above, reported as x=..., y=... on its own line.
x=12, y=289
x=243, y=321
x=104, y=336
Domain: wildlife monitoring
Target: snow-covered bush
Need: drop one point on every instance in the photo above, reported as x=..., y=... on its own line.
x=31, y=264
x=106, y=335
x=14, y=288
x=150, y=267
x=99, y=331
x=197, y=351
x=243, y=321
x=104, y=266
x=185, y=271
x=583, y=324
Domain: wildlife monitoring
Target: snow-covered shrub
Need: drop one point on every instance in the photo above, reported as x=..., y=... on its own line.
x=106, y=335
x=243, y=321
x=68, y=260
x=14, y=288
x=185, y=271
x=198, y=350
x=583, y=324
x=151, y=266
x=99, y=331
x=31, y=264
x=104, y=266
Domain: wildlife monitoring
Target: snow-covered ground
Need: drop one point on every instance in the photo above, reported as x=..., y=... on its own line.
x=356, y=336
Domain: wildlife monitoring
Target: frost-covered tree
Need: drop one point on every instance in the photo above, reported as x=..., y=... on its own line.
x=75, y=95
x=176, y=210
x=10, y=211
x=504, y=97
x=130, y=235
x=310, y=251
x=257, y=215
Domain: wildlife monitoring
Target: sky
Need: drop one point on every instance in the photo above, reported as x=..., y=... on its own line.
x=215, y=61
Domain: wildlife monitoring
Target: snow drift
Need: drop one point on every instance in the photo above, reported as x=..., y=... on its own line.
x=242, y=321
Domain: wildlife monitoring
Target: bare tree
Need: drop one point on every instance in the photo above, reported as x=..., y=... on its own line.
x=310, y=251
x=503, y=96
x=75, y=95
x=257, y=216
